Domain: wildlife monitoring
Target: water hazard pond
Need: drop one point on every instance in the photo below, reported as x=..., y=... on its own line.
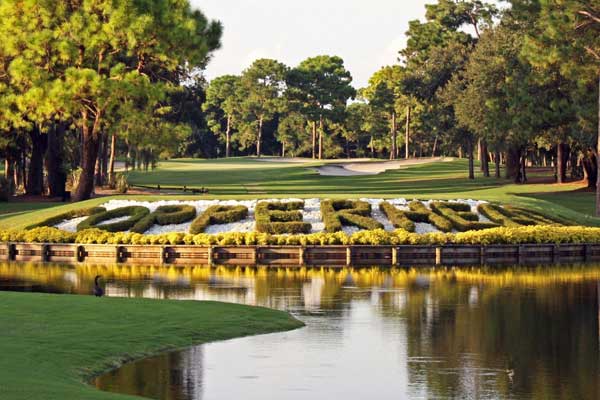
x=380, y=333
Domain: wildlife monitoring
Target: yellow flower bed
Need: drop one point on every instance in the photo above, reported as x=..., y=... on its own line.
x=501, y=235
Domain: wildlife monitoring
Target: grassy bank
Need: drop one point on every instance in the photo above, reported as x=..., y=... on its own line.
x=51, y=344
x=246, y=178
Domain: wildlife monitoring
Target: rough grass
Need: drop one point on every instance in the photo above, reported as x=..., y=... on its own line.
x=245, y=178
x=51, y=344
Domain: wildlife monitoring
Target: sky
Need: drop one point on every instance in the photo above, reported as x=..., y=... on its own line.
x=367, y=34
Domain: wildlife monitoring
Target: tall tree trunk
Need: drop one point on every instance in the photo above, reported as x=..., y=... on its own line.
x=394, y=137
x=57, y=176
x=128, y=156
x=513, y=157
x=89, y=154
x=479, y=152
x=98, y=165
x=590, y=167
x=485, y=166
x=460, y=151
x=283, y=149
x=9, y=174
x=497, y=163
x=471, y=160
x=259, y=138
x=407, y=133
x=228, y=138
x=314, y=139
x=111, y=161
x=104, y=165
x=523, y=170
x=435, y=143
x=561, y=162
x=320, y=137
x=598, y=155
x=35, y=178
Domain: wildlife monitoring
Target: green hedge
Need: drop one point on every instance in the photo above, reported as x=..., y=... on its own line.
x=337, y=213
x=279, y=218
x=398, y=218
x=498, y=215
x=448, y=211
x=165, y=215
x=500, y=235
x=436, y=220
x=215, y=215
x=136, y=213
x=57, y=219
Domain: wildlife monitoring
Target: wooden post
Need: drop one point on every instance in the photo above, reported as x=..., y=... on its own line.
x=301, y=256
x=210, y=256
x=521, y=256
x=482, y=255
x=348, y=256
x=438, y=256
x=12, y=251
x=587, y=252
x=45, y=252
x=255, y=255
x=556, y=253
x=394, y=256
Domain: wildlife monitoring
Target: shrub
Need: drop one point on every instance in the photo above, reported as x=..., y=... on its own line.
x=218, y=215
x=57, y=219
x=499, y=235
x=498, y=215
x=337, y=213
x=121, y=183
x=136, y=213
x=458, y=222
x=278, y=218
x=533, y=217
x=165, y=215
x=398, y=218
x=74, y=177
x=436, y=220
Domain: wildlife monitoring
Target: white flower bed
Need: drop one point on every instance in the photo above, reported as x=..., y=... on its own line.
x=311, y=214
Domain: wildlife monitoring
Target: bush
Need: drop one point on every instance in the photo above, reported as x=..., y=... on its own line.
x=279, y=218
x=498, y=215
x=73, y=179
x=165, y=215
x=533, y=217
x=215, y=215
x=436, y=220
x=337, y=213
x=57, y=219
x=499, y=235
x=121, y=183
x=458, y=222
x=136, y=213
x=398, y=218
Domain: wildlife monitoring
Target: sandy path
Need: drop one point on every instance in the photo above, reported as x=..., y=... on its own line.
x=373, y=168
x=303, y=160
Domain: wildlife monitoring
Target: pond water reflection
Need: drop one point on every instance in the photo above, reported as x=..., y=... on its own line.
x=374, y=332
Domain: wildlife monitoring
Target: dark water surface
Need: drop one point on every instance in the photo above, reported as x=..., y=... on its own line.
x=370, y=333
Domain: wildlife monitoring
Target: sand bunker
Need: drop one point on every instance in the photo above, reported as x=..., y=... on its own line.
x=353, y=168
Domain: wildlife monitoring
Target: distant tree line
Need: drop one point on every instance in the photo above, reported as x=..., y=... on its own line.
x=89, y=80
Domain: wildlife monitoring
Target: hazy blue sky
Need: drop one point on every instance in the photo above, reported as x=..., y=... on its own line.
x=367, y=34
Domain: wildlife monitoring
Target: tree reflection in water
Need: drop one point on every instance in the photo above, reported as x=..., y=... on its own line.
x=453, y=333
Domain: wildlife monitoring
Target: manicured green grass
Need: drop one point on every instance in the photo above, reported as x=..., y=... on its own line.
x=246, y=178
x=51, y=344
x=14, y=207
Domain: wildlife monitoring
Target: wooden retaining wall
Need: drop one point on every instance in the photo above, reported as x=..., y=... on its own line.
x=411, y=255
